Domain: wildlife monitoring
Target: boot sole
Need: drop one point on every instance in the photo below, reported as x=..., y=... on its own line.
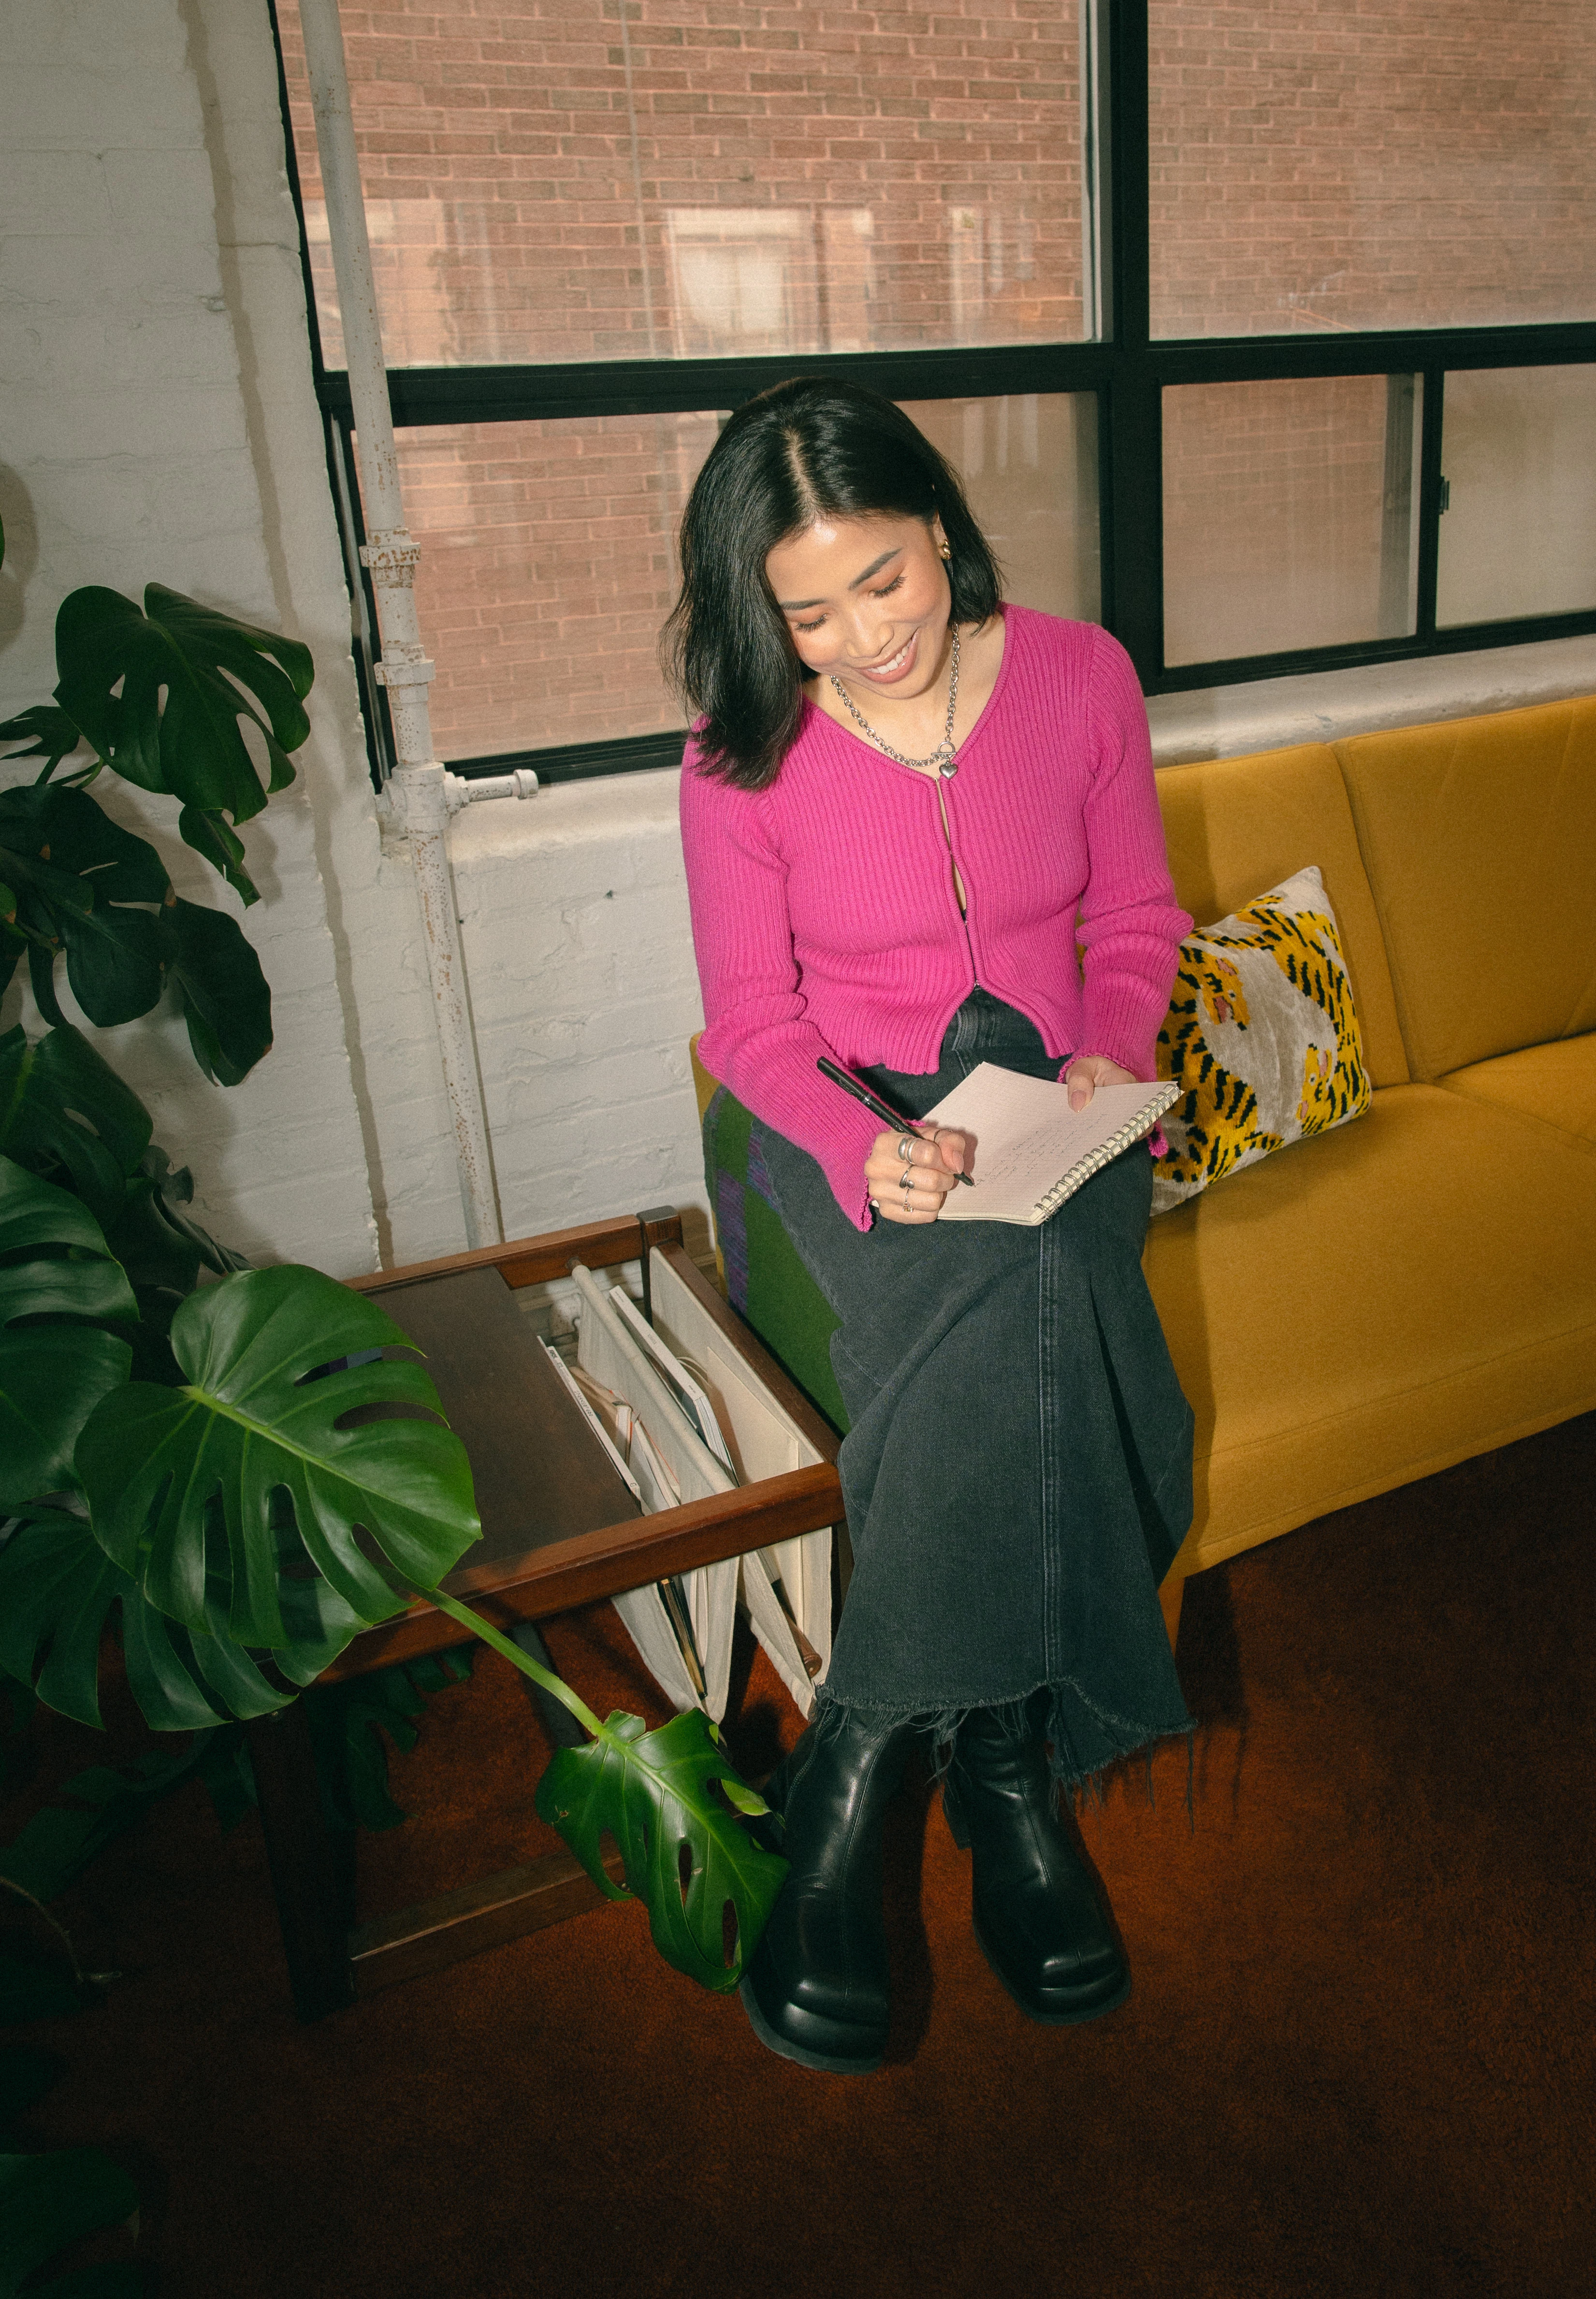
x=825, y=2063
x=1075, y=2017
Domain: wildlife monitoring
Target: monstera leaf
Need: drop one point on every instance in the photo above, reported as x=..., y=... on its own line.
x=54, y=1261
x=227, y=1004
x=59, y=1592
x=65, y=1113
x=672, y=1802
x=84, y=886
x=163, y=1250
x=58, y=1285
x=183, y=1485
x=35, y=887
x=59, y=1839
x=67, y=1116
x=675, y=1806
x=90, y=888
x=44, y=732
x=186, y=675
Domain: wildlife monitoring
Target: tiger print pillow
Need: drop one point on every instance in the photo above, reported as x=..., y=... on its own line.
x=1262, y=1034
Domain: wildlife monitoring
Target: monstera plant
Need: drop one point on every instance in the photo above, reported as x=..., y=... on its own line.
x=182, y=1463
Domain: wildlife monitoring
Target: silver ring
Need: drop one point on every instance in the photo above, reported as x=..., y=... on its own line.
x=905, y=1147
x=907, y=1184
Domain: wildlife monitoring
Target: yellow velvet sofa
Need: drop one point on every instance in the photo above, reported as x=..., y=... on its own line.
x=1419, y=1285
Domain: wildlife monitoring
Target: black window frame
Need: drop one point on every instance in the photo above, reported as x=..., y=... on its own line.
x=1126, y=369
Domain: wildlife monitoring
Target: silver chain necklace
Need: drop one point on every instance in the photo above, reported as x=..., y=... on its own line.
x=941, y=757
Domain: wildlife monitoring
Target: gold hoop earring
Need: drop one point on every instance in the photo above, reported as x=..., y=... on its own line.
x=945, y=550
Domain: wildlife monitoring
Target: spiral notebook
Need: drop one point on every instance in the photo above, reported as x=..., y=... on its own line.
x=1032, y=1149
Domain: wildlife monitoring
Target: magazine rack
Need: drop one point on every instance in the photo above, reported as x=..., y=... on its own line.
x=552, y=1543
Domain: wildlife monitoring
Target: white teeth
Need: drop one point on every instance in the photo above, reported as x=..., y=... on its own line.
x=876, y=669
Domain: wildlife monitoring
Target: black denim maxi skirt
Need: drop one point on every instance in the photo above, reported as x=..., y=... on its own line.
x=1017, y=1469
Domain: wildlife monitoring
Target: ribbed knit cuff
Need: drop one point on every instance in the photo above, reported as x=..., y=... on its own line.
x=843, y=1163
x=1122, y=1029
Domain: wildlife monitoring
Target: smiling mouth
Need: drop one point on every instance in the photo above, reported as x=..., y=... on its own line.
x=895, y=663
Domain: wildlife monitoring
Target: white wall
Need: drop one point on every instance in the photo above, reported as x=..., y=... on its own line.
x=159, y=423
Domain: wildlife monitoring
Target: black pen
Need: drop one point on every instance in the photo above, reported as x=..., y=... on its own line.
x=876, y=1106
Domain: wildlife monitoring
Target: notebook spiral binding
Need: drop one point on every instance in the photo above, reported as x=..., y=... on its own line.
x=1107, y=1151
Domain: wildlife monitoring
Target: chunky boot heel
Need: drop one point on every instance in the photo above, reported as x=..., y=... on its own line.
x=816, y=1988
x=1038, y=1917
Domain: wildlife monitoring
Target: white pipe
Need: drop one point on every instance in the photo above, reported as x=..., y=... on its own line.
x=462, y=791
x=418, y=790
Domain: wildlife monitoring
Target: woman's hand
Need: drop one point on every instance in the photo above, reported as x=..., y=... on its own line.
x=929, y=1166
x=1087, y=1072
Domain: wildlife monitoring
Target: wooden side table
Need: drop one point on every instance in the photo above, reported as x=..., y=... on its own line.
x=560, y=1529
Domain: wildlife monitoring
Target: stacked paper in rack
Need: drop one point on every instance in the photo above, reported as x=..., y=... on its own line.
x=788, y=1587
x=675, y=1457
x=698, y=1422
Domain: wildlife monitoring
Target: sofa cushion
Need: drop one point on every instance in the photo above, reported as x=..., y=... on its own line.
x=1552, y=1085
x=1237, y=826
x=1262, y=1037
x=1373, y=1304
x=1479, y=838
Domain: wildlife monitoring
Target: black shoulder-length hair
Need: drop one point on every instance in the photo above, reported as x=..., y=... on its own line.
x=810, y=449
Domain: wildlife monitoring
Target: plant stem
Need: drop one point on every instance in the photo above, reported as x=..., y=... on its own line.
x=513, y=1652
x=60, y=1930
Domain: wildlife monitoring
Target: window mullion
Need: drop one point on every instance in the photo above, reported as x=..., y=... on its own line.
x=1097, y=148
x=1132, y=463
x=1429, y=500
x=1127, y=172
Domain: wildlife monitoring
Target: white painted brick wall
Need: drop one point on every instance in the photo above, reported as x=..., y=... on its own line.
x=584, y=994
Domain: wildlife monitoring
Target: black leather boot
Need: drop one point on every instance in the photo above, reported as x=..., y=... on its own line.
x=817, y=1988
x=1042, y=1926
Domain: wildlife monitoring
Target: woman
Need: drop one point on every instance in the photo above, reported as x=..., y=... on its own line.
x=904, y=807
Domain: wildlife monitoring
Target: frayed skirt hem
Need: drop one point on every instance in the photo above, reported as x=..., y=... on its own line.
x=1079, y=1771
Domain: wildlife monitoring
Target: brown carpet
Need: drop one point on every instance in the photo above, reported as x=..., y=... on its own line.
x=1358, y=2057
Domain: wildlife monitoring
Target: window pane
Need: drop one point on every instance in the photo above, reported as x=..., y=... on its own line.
x=1518, y=448
x=547, y=567
x=1332, y=163
x=1029, y=468
x=690, y=177
x=1289, y=514
x=548, y=553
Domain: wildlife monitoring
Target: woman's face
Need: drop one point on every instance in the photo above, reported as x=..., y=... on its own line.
x=866, y=600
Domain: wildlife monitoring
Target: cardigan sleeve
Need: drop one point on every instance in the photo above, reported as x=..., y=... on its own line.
x=758, y=1038
x=1130, y=927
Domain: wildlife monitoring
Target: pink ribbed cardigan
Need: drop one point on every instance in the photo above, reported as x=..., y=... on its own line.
x=826, y=920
